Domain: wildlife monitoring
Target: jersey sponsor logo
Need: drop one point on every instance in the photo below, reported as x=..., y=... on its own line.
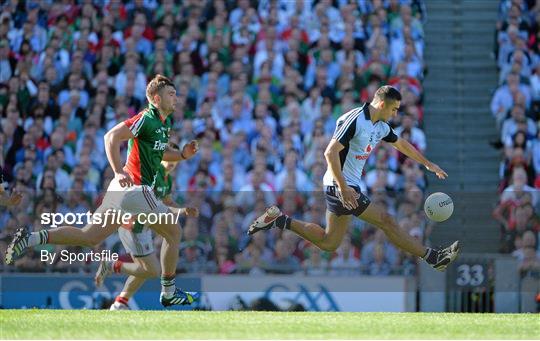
x=361, y=157
x=367, y=150
x=158, y=145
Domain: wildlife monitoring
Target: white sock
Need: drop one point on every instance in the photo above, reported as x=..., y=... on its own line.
x=34, y=239
x=167, y=291
x=168, y=286
x=38, y=238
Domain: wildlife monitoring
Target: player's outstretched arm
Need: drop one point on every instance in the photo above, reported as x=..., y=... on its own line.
x=114, y=137
x=174, y=155
x=408, y=149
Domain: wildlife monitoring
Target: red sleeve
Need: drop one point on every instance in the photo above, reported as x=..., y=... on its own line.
x=135, y=124
x=129, y=122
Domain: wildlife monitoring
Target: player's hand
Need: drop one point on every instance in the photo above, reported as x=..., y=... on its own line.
x=190, y=149
x=191, y=212
x=437, y=170
x=124, y=179
x=348, y=196
x=15, y=198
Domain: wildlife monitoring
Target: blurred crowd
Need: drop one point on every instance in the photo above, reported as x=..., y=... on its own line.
x=516, y=108
x=260, y=85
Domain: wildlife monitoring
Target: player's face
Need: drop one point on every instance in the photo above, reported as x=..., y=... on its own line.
x=168, y=99
x=390, y=109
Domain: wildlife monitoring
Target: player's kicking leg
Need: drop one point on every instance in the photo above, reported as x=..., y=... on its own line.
x=437, y=258
x=337, y=220
x=327, y=239
x=89, y=236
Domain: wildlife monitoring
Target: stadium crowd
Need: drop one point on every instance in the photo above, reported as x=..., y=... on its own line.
x=260, y=85
x=516, y=109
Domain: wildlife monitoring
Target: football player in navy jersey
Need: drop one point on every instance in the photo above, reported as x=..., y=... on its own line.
x=357, y=133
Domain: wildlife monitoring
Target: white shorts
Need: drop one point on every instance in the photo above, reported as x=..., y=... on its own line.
x=134, y=200
x=137, y=244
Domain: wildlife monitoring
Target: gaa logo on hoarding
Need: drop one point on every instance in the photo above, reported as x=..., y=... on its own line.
x=78, y=295
x=314, y=300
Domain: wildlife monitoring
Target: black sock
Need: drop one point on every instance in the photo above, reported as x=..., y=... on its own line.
x=431, y=256
x=284, y=222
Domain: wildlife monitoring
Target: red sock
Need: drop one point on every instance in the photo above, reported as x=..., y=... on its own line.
x=123, y=300
x=117, y=266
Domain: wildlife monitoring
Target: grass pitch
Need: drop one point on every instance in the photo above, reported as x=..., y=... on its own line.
x=93, y=324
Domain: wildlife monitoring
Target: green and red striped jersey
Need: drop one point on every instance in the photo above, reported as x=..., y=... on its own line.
x=145, y=150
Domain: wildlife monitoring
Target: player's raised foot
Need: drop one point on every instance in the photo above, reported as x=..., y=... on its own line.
x=18, y=246
x=102, y=272
x=119, y=306
x=266, y=221
x=179, y=298
x=446, y=256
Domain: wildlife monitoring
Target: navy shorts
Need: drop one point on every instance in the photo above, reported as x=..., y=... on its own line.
x=335, y=205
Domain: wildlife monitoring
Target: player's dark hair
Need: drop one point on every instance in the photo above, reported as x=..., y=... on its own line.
x=156, y=85
x=387, y=93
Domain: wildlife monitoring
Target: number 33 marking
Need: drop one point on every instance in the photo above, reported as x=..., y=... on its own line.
x=470, y=275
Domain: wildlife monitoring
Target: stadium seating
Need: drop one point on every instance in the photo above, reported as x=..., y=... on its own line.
x=516, y=106
x=259, y=86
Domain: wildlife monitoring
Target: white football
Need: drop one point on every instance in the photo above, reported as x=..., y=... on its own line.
x=439, y=206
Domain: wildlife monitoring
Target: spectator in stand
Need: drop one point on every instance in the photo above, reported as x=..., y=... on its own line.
x=535, y=151
x=417, y=136
x=504, y=96
x=346, y=261
x=314, y=264
x=519, y=184
x=379, y=264
x=368, y=255
x=284, y=262
x=530, y=262
x=512, y=124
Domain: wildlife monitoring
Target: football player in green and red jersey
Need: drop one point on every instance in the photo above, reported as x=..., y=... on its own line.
x=131, y=189
x=138, y=242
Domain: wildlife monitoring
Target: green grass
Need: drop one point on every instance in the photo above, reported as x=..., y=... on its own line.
x=92, y=324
